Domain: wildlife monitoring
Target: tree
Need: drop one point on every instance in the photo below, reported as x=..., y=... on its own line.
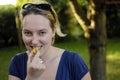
x=93, y=22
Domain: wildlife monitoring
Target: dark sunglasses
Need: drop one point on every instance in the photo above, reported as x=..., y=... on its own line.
x=40, y=6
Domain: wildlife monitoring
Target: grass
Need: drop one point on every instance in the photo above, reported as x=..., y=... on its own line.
x=113, y=59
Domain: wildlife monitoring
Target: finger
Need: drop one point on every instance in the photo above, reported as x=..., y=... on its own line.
x=37, y=54
x=30, y=57
x=35, y=59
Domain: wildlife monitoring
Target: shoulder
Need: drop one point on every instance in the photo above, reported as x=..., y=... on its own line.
x=76, y=64
x=17, y=66
x=19, y=56
x=72, y=55
x=73, y=58
x=18, y=60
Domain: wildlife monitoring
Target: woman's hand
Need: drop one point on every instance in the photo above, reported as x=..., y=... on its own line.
x=35, y=66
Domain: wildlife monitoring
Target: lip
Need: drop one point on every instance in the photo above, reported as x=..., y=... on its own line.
x=39, y=47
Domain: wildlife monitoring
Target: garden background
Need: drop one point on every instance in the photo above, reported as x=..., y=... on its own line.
x=10, y=43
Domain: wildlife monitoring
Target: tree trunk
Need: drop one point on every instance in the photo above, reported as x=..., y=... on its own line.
x=97, y=40
x=18, y=29
x=96, y=32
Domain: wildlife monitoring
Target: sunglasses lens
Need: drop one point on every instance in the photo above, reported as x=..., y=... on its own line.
x=44, y=6
x=40, y=6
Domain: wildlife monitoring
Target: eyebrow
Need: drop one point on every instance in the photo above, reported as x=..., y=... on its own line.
x=25, y=30
x=38, y=30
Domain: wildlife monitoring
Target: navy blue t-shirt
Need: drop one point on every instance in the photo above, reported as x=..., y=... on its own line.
x=71, y=66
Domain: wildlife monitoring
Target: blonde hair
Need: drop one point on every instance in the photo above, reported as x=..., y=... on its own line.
x=50, y=14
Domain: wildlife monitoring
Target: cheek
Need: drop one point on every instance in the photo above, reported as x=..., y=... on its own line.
x=26, y=40
x=47, y=39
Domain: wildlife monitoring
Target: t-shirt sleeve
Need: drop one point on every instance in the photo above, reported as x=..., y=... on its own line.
x=79, y=67
x=13, y=67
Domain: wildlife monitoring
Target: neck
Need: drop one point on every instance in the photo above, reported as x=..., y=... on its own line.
x=49, y=54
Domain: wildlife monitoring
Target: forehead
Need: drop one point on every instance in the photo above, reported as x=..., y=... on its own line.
x=35, y=20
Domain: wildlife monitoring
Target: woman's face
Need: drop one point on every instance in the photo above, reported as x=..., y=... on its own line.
x=37, y=32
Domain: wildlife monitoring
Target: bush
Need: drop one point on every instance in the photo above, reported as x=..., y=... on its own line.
x=8, y=32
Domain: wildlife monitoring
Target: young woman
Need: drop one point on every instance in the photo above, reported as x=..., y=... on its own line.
x=39, y=26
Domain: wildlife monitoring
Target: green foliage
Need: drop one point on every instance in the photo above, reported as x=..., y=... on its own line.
x=61, y=7
x=82, y=2
x=21, y=2
x=7, y=23
x=67, y=20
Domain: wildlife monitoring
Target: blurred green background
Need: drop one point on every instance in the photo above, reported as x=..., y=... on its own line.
x=9, y=41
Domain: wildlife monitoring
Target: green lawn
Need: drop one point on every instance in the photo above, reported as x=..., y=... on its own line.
x=113, y=60
x=113, y=57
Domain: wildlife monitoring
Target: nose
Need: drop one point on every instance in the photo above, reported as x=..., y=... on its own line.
x=35, y=40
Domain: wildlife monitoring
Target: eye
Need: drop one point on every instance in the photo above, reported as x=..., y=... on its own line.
x=27, y=33
x=42, y=33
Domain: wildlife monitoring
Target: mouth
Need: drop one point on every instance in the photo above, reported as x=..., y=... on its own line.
x=39, y=47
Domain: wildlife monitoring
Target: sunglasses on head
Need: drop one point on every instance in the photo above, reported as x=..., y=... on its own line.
x=40, y=6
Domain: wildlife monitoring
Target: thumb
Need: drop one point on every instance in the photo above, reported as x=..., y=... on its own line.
x=30, y=57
